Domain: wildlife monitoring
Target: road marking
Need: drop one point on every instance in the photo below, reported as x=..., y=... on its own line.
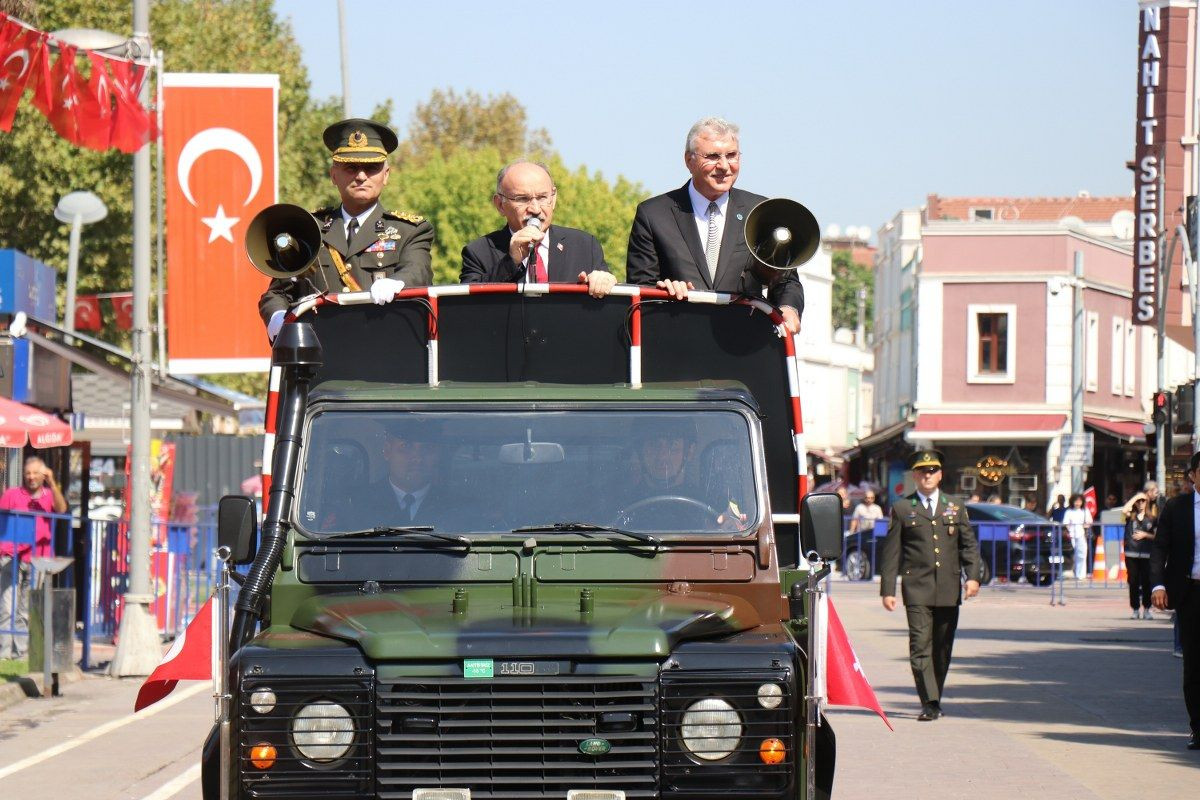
x=175, y=785
x=108, y=727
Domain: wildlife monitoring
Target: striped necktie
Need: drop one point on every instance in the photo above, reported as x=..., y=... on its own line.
x=712, y=248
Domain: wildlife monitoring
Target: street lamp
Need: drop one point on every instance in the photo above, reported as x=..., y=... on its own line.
x=138, y=649
x=79, y=209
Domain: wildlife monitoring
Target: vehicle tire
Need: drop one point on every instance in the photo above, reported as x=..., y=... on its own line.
x=985, y=572
x=857, y=566
x=1039, y=578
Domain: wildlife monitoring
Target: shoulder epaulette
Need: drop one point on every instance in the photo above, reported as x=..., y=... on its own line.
x=407, y=216
x=324, y=211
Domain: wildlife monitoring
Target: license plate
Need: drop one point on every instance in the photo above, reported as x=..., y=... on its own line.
x=1056, y=559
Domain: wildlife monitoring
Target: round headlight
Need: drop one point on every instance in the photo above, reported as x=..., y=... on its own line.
x=263, y=701
x=770, y=695
x=711, y=729
x=322, y=731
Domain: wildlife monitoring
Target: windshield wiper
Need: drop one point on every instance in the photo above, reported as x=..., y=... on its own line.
x=588, y=527
x=402, y=530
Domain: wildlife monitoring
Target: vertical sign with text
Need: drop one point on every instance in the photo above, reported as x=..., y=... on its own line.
x=221, y=168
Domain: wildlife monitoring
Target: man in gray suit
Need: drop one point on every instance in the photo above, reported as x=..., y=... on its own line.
x=693, y=237
x=931, y=544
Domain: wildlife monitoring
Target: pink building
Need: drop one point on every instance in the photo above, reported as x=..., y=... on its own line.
x=973, y=345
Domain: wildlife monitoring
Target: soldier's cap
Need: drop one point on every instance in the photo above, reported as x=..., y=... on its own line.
x=926, y=458
x=415, y=430
x=359, y=141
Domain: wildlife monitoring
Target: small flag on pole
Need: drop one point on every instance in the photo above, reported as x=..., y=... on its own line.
x=189, y=659
x=845, y=680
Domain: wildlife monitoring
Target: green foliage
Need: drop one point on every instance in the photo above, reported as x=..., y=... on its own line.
x=449, y=123
x=848, y=278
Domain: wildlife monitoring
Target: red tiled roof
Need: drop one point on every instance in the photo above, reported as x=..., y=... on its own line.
x=1027, y=209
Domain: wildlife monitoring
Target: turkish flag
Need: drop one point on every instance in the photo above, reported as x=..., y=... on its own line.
x=64, y=103
x=1089, y=501
x=22, y=53
x=123, y=309
x=96, y=106
x=845, y=681
x=87, y=313
x=189, y=659
x=220, y=155
x=132, y=126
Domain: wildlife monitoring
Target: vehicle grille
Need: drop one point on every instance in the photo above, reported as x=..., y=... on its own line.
x=516, y=737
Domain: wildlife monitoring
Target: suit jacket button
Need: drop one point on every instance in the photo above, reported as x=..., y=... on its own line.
x=937, y=549
x=937, y=563
x=935, y=537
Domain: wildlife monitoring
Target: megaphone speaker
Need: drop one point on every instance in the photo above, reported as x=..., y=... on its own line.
x=283, y=240
x=781, y=235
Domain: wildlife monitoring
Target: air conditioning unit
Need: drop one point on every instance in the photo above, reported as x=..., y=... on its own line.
x=1023, y=483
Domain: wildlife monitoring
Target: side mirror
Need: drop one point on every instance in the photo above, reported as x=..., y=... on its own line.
x=821, y=525
x=237, y=527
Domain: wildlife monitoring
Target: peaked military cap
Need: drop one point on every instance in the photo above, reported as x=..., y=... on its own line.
x=359, y=141
x=926, y=458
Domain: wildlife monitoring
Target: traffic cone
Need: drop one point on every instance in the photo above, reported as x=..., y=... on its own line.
x=1098, y=571
x=1117, y=571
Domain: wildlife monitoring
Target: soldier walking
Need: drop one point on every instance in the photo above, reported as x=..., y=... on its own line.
x=931, y=545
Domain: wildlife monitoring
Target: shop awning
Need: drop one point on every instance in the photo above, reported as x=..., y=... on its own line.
x=1122, y=429
x=20, y=424
x=986, y=427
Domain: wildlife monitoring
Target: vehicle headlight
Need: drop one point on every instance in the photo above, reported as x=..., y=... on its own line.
x=770, y=696
x=322, y=731
x=263, y=701
x=711, y=729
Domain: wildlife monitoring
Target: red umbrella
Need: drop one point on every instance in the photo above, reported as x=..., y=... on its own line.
x=21, y=423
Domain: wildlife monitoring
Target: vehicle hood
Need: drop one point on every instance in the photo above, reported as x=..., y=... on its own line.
x=420, y=624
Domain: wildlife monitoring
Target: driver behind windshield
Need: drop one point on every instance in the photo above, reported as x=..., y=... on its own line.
x=667, y=492
x=413, y=491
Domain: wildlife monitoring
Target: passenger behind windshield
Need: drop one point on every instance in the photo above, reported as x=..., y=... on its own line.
x=413, y=491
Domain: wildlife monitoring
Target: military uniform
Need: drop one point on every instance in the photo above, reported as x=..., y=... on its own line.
x=386, y=244
x=930, y=550
x=389, y=244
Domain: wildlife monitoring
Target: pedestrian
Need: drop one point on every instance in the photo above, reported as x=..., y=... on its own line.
x=994, y=498
x=1059, y=508
x=1139, y=536
x=932, y=544
x=38, y=494
x=1175, y=575
x=1078, y=521
x=865, y=513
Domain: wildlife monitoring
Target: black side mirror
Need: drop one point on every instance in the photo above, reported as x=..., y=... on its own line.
x=237, y=527
x=821, y=525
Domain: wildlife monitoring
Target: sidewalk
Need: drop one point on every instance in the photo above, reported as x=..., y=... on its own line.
x=1074, y=701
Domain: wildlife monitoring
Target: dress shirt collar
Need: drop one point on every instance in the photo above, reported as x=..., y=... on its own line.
x=418, y=496
x=362, y=218
x=700, y=203
x=924, y=500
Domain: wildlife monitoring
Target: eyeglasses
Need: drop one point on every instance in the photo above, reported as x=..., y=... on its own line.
x=546, y=199
x=716, y=158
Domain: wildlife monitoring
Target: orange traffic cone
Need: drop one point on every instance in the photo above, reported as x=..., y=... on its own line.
x=1098, y=571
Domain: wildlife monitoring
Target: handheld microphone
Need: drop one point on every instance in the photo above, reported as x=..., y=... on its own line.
x=531, y=259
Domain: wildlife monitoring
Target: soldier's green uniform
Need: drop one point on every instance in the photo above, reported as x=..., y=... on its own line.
x=930, y=550
x=387, y=244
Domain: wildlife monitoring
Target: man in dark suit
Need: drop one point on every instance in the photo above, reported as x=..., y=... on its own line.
x=528, y=248
x=1175, y=578
x=364, y=247
x=693, y=237
x=414, y=490
x=931, y=544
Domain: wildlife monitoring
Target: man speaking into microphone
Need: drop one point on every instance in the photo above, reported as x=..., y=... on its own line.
x=528, y=249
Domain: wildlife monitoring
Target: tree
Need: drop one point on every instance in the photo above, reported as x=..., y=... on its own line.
x=448, y=123
x=848, y=278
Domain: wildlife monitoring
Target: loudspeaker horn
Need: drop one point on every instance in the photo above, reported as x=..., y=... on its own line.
x=283, y=240
x=781, y=235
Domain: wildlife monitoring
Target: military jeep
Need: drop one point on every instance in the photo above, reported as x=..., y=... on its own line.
x=524, y=544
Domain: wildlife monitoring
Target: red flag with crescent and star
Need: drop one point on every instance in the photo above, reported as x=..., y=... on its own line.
x=219, y=145
x=22, y=52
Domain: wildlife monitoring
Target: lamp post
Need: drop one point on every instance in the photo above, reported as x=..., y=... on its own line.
x=138, y=649
x=79, y=209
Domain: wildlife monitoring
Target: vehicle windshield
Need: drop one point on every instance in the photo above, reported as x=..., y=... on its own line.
x=687, y=470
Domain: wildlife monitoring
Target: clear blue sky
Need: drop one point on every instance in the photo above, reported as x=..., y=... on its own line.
x=856, y=108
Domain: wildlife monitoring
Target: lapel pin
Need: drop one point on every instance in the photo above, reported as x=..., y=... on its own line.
x=560, y=247
x=739, y=216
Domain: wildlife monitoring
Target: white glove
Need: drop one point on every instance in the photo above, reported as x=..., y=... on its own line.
x=384, y=289
x=275, y=323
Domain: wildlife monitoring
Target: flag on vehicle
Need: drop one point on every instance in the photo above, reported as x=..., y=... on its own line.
x=189, y=659
x=844, y=682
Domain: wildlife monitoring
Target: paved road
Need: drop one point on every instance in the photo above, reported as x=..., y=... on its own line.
x=1073, y=702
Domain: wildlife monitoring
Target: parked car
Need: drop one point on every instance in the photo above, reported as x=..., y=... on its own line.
x=1013, y=543
x=1017, y=543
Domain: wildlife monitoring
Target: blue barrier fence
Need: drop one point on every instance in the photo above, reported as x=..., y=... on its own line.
x=1011, y=552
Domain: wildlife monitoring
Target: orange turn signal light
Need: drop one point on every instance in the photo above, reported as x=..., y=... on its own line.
x=772, y=751
x=262, y=755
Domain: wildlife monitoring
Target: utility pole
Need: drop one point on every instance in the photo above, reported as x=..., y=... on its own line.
x=1077, y=344
x=345, y=56
x=138, y=649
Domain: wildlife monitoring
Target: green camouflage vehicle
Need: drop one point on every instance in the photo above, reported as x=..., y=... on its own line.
x=525, y=544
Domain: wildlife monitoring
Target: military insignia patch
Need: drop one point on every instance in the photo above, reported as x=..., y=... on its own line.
x=408, y=216
x=358, y=139
x=390, y=230
x=381, y=245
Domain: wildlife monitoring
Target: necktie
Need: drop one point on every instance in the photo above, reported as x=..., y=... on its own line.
x=712, y=248
x=406, y=503
x=351, y=229
x=539, y=268
x=929, y=504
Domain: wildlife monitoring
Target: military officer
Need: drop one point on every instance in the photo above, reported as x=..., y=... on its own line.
x=365, y=248
x=931, y=545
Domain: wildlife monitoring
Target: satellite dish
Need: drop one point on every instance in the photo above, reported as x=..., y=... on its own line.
x=833, y=231
x=1122, y=224
x=85, y=205
x=1073, y=222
